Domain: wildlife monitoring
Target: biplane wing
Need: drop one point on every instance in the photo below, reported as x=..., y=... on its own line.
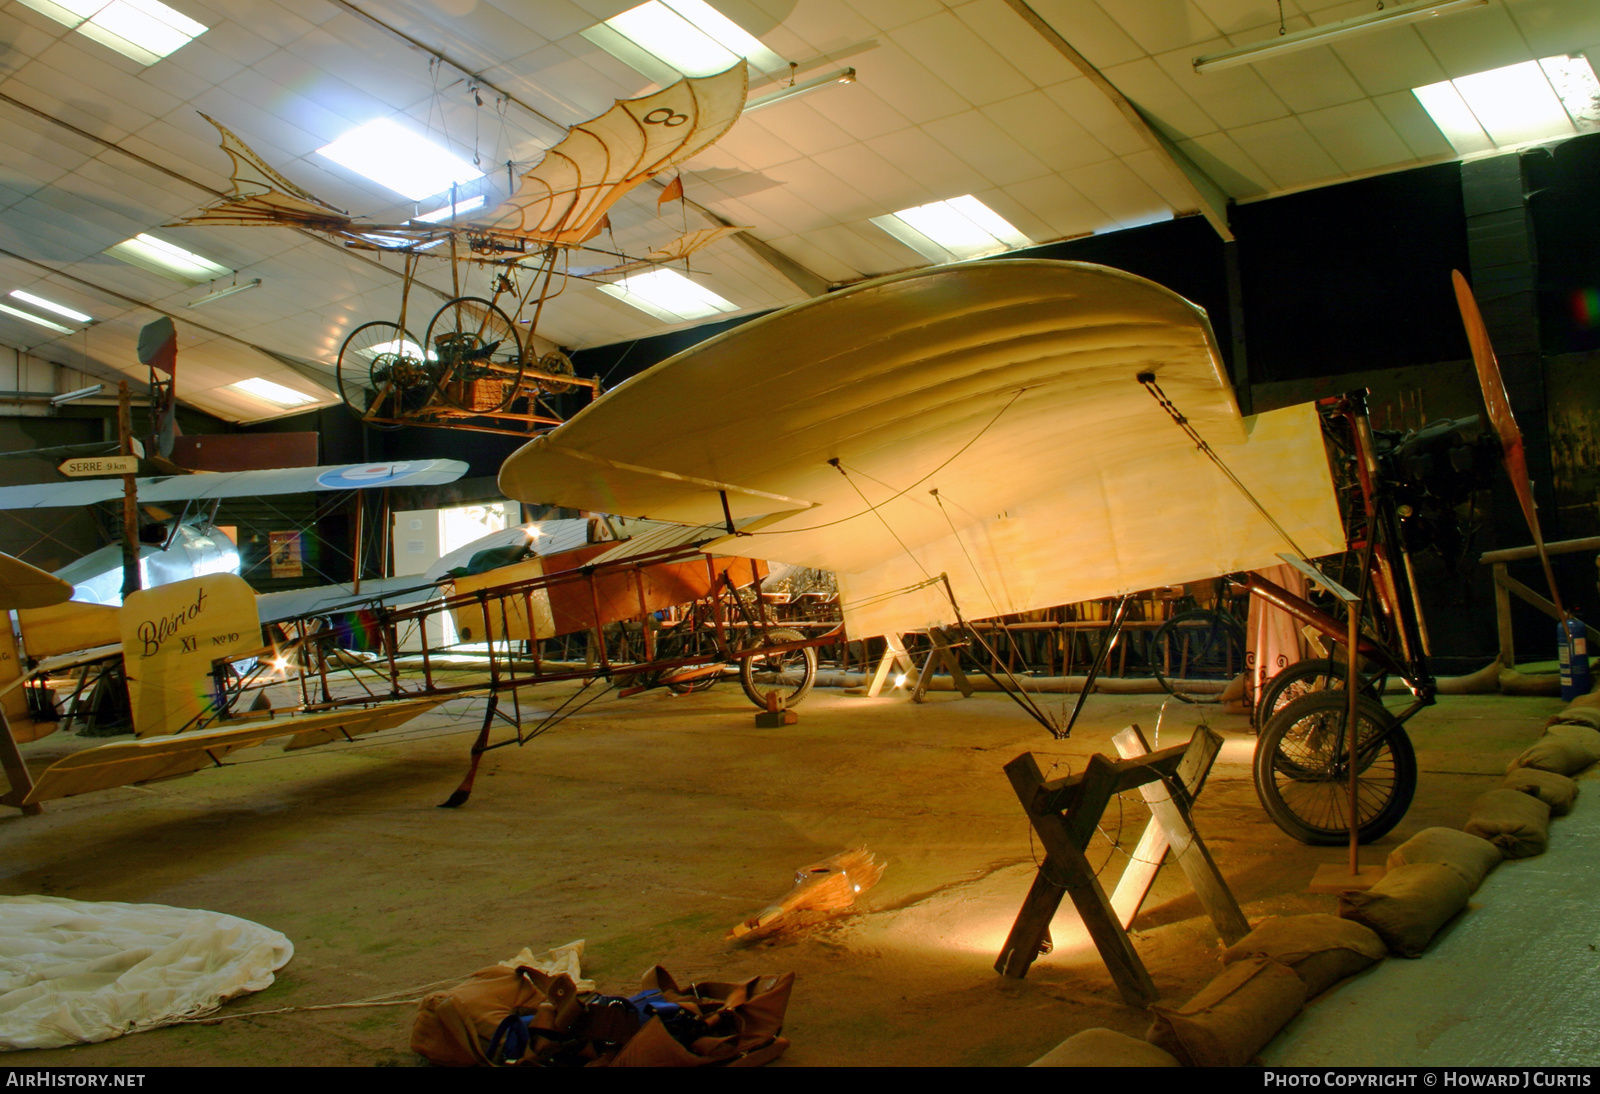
x=562, y=199
x=149, y=758
x=24, y=586
x=981, y=420
x=208, y=485
x=262, y=196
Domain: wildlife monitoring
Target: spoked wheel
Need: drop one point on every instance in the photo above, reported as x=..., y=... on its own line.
x=382, y=374
x=479, y=355
x=1304, y=678
x=789, y=674
x=1302, y=770
x=1194, y=654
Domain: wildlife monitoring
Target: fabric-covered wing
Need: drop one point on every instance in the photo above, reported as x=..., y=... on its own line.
x=25, y=586
x=263, y=196
x=880, y=421
x=563, y=198
x=680, y=248
x=236, y=484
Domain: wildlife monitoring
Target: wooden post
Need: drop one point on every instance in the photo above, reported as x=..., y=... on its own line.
x=894, y=656
x=1502, y=617
x=130, y=504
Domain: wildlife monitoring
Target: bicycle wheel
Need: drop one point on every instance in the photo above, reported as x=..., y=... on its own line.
x=382, y=374
x=1302, y=771
x=1303, y=678
x=789, y=674
x=479, y=355
x=1194, y=654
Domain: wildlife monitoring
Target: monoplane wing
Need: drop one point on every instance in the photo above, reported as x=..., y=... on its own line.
x=262, y=196
x=562, y=199
x=206, y=486
x=998, y=397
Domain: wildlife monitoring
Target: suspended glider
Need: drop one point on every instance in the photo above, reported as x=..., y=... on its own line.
x=981, y=423
x=560, y=202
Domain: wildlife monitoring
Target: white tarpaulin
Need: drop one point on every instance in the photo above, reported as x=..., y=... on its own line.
x=73, y=972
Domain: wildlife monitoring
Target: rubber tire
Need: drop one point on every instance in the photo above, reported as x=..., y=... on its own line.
x=1318, y=784
x=756, y=690
x=1273, y=693
x=1218, y=626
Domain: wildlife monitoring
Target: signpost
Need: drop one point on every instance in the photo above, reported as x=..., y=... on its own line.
x=100, y=465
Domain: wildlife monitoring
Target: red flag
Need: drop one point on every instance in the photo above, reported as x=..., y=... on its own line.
x=673, y=191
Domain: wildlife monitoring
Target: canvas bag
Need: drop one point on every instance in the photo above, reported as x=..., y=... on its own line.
x=454, y=1028
x=738, y=1024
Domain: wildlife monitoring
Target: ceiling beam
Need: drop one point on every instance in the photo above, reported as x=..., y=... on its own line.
x=1210, y=199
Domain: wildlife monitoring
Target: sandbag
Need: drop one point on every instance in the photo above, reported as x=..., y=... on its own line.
x=1556, y=791
x=1468, y=855
x=1561, y=754
x=1232, y=1017
x=1517, y=823
x=1322, y=949
x=1576, y=716
x=1586, y=702
x=1571, y=731
x=1409, y=905
x=1105, y=1048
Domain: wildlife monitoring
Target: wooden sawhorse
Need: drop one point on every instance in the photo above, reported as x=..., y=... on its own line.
x=1065, y=813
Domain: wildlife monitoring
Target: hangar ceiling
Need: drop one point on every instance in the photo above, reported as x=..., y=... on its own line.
x=1066, y=117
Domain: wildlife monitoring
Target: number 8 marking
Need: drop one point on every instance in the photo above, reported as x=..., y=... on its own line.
x=663, y=115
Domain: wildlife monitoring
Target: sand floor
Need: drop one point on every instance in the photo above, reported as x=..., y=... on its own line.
x=650, y=825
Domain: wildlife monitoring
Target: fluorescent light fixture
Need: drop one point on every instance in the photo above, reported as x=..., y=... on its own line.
x=669, y=296
x=394, y=157
x=51, y=305
x=1519, y=104
x=30, y=317
x=167, y=259
x=1332, y=32
x=144, y=30
x=225, y=291
x=948, y=231
x=843, y=76
x=81, y=393
x=666, y=39
x=450, y=212
x=276, y=394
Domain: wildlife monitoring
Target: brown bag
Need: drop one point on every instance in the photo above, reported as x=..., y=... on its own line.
x=454, y=1028
x=729, y=1025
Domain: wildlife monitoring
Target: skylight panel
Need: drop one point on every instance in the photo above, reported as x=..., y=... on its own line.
x=1518, y=104
x=51, y=305
x=276, y=394
x=667, y=38
x=35, y=319
x=167, y=259
x=394, y=157
x=947, y=231
x=144, y=30
x=450, y=212
x=669, y=296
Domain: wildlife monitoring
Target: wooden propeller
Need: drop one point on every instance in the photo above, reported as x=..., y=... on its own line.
x=1505, y=424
